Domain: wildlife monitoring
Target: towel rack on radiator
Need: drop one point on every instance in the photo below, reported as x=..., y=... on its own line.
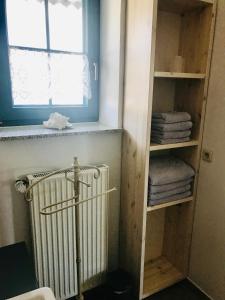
x=53, y=208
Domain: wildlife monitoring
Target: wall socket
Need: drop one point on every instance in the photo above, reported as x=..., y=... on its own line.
x=207, y=155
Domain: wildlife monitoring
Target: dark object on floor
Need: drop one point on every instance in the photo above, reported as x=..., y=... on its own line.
x=17, y=274
x=183, y=290
x=119, y=285
x=99, y=293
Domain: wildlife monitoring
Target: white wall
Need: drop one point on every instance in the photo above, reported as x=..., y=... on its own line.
x=207, y=265
x=112, y=28
x=26, y=156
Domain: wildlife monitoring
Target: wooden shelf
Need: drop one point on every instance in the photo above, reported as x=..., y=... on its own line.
x=183, y=6
x=184, y=28
x=170, y=203
x=208, y=1
x=159, y=274
x=178, y=75
x=158, y=147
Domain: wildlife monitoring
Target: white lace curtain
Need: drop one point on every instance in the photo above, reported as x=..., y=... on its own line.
x=86, y=78
x=86, y=70
x=22, y=66
x=76, y=3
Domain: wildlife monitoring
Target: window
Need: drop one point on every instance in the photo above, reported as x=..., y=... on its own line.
x=49, y=53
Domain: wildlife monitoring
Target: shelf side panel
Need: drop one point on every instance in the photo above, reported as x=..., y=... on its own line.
x=138, y=90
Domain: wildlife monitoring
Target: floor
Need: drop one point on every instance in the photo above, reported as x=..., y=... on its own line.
x=181, y=291
x=16, y=271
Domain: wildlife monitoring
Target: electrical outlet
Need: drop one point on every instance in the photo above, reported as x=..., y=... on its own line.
x=207, y=155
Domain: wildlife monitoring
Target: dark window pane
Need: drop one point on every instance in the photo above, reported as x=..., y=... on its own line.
x=66, y=26
x=26, y=23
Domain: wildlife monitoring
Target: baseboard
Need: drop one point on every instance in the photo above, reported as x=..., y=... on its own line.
x=198, y=287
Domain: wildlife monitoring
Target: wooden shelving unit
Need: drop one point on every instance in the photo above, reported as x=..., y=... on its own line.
x=155, y=240
x=168, y=204
x=157, y=147
x=183, y=6
x=178, y=75
x=159, y=272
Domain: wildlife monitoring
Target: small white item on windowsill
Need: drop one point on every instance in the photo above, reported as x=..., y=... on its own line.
x=57, y=121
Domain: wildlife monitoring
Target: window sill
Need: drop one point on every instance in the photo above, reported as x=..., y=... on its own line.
x=38, y=131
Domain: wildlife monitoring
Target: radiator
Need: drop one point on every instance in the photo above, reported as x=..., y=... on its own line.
x=54, y=235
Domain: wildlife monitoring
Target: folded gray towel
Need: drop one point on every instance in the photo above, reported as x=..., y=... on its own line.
x=170, y=134
x=154, y=189
x=169, y=169
x=167, y=194
x=171, y=117
x=172, y=127
x=169, y=199
x=162, y=141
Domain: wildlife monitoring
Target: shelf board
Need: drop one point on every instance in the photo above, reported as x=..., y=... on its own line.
x=159, y=274
x=183, y=6
x=170, y=203
x=178, y=75
x=207, y=1
x=158, y=147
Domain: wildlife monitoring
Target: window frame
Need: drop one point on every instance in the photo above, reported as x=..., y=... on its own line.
x=11, y=115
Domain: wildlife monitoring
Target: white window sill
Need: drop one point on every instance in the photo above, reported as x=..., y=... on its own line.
x=38, y=131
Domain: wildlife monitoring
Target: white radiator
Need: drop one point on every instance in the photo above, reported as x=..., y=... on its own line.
x=54, y=235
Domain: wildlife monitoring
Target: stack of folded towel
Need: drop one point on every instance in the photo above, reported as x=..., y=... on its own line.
x=170, y=179
x=171, y=127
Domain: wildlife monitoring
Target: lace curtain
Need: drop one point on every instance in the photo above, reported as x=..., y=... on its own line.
x=50, y=71
x=76, y=3
x=60, y=77
x=86, y=78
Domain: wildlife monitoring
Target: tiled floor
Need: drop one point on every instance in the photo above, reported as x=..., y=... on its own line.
x=181, y=291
